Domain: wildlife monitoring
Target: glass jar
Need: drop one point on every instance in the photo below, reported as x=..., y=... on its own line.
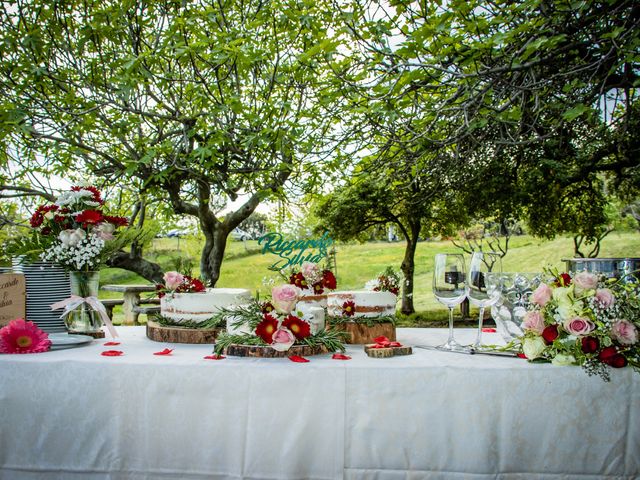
x=84, y=319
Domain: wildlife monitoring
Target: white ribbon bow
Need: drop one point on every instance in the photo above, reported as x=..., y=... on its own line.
x=75, y=301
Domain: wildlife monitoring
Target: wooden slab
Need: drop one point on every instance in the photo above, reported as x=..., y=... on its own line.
x=98, y=334
x=268, y=352
x=159, y=333
x=360, y=333
x=387, y=352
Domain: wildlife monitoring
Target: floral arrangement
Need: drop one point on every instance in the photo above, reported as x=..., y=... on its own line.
x=175, y=282
x=387, y=281
x=276, y=323
x=74, y=228
x=20, y=336
x=584, y=320
x=312, y=277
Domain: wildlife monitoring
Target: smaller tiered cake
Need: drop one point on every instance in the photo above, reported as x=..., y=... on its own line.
x=200, y=306
x=361, y=304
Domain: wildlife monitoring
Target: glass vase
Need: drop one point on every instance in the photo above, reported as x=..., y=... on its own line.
x=84, y=319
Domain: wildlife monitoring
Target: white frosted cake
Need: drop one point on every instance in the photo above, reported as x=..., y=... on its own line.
x=368, y=304
x=201, y=306
x=310, y=298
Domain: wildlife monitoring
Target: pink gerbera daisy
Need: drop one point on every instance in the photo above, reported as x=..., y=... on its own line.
x=23, y=337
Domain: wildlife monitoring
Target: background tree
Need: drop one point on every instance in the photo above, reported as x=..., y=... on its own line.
x=193, y=102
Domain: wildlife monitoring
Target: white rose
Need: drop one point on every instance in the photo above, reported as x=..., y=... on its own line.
x=563, y=360
x=532, y=347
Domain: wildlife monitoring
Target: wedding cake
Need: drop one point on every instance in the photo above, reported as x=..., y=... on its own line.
x=361, y=304
x=200, y=306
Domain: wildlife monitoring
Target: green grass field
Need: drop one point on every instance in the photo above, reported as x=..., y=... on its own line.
x=246, y=267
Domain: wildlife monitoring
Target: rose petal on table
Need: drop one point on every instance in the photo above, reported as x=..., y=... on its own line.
x=381, y=339
x=111, y=344
x=395, y=344
x=166, y=351
x=215, y=357
x=298, y=359
x=340, y=356
x=112, y=353
x=522, y=355
x=489, y=330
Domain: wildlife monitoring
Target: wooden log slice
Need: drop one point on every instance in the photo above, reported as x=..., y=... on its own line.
x=360, y=333
x=160, y=333
x=98, y=334
x=387, y=352
x=263, y=351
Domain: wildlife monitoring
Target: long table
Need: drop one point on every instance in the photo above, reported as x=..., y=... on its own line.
x=75, y=414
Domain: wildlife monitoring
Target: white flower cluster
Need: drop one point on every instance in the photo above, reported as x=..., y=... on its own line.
x=84, y=255
x=81, y=197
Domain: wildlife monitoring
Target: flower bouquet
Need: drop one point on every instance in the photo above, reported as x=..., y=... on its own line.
x=75, y=232
x=387, y=281
x=584, y=320
x=275, y=328
x=176, y=282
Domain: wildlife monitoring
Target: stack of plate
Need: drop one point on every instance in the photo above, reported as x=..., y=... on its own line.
x=46, y=284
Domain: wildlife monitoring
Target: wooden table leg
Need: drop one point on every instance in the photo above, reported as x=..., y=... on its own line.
x=131, y=300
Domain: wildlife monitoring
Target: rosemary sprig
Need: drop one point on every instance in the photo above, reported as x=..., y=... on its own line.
x=368, y=321
x=212, y=322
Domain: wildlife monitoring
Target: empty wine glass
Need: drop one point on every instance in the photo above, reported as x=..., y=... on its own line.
x=450, y=289
x=483, y=293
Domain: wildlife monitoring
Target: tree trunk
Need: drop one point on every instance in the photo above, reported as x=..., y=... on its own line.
x=213, y=253
x=146, y=269
x=408, y=267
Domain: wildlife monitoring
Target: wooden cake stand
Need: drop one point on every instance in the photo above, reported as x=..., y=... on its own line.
x=159, y=333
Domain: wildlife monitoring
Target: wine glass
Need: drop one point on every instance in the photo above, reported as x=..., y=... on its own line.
x=450, y=289
x=482, y=292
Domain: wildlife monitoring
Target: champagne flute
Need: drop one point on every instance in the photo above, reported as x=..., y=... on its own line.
x=482, y=292
x=450, y=289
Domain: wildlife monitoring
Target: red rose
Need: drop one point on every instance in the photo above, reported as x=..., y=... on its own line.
x=89, y=217
x=564, y=280
x=329, y=280
x=590, y=344
x=612, y=357
x=550, y=333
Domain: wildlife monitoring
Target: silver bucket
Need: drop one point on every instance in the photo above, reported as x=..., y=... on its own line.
x=623, y=268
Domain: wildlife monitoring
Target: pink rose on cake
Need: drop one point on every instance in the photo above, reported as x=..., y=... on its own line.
x=172, y=280
x=175, y=282
x=284, y=298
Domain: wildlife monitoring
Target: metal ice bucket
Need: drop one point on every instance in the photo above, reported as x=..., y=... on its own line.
x=623, y=268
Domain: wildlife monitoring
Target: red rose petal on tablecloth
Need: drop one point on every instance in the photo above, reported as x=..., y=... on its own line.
x=522, y=355
x=298, y=359
x=381, y=339
x=111, y=344
x=395, y=344
x=340, y=356
x=166, y=351
x=489, y=330
x=112, y=353
x=215, y=357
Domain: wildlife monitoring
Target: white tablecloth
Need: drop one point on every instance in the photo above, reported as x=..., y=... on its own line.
x=77, y=414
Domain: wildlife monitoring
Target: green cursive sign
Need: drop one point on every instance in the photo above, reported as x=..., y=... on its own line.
x=294, y=252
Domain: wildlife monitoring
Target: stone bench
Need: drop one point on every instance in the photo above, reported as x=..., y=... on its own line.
x=145, y=310
x=109, y=303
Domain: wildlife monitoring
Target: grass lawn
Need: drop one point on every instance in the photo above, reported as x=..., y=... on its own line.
x=246, y=267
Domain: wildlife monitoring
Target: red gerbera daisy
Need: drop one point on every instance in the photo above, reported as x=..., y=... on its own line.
x=318, y=289
x=266, y=328
x=329, y=280
x=348, y=308
x=96, y=193
x=89, y=217
x=267, y=307
x=117, y=221
x=23, y=337
x=298, y=280
x=298, y=327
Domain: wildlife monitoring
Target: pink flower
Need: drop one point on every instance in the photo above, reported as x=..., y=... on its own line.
x=585, y=281
x=282, y=339
x=172, y=280
x=284, y=298
x=23, y=337
x=534, y=321
x=542, y=295
x=311, y=272
x=605, y=297
x=624, y=332
x=578, y=326
x=105, y=230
